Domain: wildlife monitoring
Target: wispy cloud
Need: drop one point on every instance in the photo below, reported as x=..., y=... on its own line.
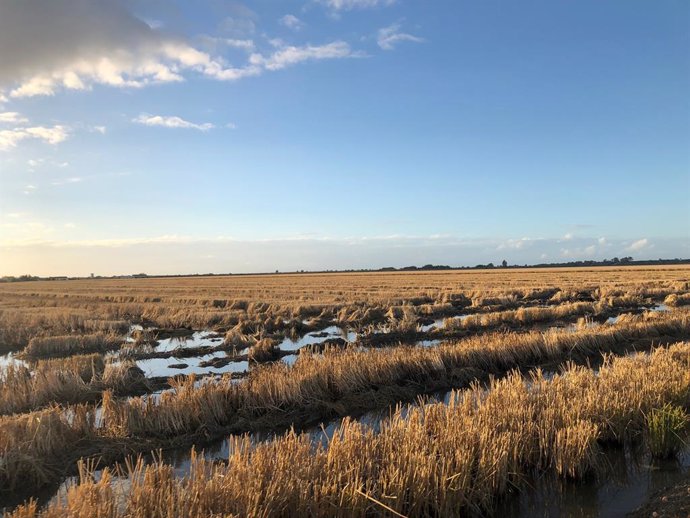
x=171, y=122
x=52, y=135
x=12, y=118
x=348, y=5
x=292, y=22
x=389, y=37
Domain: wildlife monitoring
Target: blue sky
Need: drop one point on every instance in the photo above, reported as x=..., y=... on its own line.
x=174, y=137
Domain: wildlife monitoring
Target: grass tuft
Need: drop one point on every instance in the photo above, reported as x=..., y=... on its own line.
x=665, y=428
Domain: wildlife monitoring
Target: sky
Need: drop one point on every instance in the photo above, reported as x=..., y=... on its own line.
x=222, y=136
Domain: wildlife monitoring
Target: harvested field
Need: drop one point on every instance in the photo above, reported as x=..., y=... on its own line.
x=440, y=459
x=102, y=369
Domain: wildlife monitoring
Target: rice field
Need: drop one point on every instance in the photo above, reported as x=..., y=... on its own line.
x=486, y=384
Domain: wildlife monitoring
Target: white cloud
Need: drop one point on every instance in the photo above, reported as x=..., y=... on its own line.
x=517, y=244
x=101, y=43
x=389, y=37
x=638, y=245
x=12, y=117
x=292, y=22
x=171, y=122
x=348, y=5
x=99, y=129
x=97, y=43
x=52, y=135
x=291, y=55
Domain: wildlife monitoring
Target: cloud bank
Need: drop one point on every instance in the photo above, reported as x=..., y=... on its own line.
x=172, y=254
x=49, y=45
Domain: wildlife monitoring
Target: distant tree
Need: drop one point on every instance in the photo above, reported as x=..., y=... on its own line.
x=504, y=263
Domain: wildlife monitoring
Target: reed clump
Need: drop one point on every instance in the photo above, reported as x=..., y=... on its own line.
x=675, y=299
x=35, y=446
x=521, y=316
x=665, y=430
x=124, y=377
x=264, y=350
x=77, y=379
x=86, y=366
x=69, y=345
x=23, y=389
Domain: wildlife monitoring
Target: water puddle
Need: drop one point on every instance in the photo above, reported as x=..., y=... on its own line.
x=164, y=367
x=317, y=337
x=290, y=359
x=440, y=323
x=9, y=359
x=197, y=339
x=428, y=343
x=629, y=480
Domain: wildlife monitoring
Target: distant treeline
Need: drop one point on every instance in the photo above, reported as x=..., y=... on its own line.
x=624, y=261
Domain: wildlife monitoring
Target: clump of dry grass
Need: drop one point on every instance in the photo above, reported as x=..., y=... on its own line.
x=86, y=366
x=623, y=301
x=67, y=380
x=264, y=350
x=71, y=344
x=521, y=316
x=238, y=340
x=433, y=460
x=124, y=377
x=71, y=380
x=675, y=299
x=34, y=446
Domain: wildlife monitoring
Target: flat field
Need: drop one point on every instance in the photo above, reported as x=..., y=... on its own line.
x=441, y=393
